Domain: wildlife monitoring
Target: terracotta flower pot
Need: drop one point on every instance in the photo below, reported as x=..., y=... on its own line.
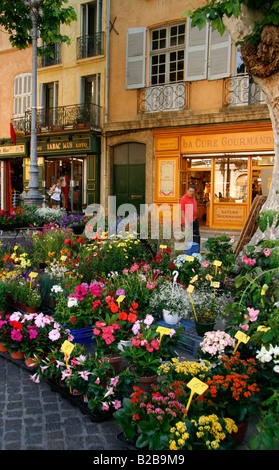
x=240, y=434
x=17, y=355
x=3, y=348
x=146, y=382
x=114, y=361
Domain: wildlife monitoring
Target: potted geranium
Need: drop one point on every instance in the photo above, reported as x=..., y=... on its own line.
x=108, y=335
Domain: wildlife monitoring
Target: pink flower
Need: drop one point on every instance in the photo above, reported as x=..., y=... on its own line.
x=97, y=381
x=105, y=406
x=116, y=404
x=253, y=314
x=32, y=333
x=66, y=373
x=148, y=320
x=54, y=335
x=267, y=252
x=245, y=327
x=84, y=374
x=114, y=381
x=249, y=261
x=16, y=335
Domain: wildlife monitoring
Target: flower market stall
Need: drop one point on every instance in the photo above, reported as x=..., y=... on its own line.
x=98, y=335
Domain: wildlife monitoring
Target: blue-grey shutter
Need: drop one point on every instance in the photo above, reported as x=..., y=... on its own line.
x=135, y=58
x=196, y=52
x=219, y=65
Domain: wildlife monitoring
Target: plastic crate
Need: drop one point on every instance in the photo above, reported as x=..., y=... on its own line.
x=190, y=342
x=191, y=248
x=83, y=335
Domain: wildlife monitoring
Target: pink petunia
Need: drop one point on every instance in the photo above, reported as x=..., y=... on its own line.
x=253, y=314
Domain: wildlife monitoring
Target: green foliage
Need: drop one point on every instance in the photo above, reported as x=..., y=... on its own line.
x=16, y=20
x=220, y=248
x=266, y=218
x=214, y=11
x=267, y=437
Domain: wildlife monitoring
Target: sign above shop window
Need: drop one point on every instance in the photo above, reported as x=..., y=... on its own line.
x=12, y=150
x=77, y=145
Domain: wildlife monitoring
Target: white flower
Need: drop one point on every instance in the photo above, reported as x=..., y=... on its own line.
x=72, y=302
x=56, y=289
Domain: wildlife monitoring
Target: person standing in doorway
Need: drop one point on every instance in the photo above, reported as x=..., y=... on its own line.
x=188, y=205
x=56, y=195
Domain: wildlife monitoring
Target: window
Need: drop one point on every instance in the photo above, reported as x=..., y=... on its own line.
x=208, y=54
x=49, y=112
x=22, y=94
x=167, y=54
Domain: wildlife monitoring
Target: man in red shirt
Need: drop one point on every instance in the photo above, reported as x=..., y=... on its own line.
x=188, y=206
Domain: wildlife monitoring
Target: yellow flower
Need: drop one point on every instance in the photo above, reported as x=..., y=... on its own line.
x=173, y=445
x=51, y=254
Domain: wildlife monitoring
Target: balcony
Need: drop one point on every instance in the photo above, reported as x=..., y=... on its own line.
x=170, y=97
x=61, y=118
x=52, y=58
x=240, y=90
x=90, y=46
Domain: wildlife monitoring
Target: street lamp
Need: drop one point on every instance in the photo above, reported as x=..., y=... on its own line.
x=33, y=196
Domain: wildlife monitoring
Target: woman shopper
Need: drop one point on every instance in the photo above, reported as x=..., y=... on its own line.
x=55, y=191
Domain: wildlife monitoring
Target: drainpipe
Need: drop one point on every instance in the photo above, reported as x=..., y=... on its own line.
x=107, y=55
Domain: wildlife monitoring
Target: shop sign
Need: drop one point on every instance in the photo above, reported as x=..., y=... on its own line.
x=229, y=142
x=228, y=213
x=64, y=146
x=11, y=150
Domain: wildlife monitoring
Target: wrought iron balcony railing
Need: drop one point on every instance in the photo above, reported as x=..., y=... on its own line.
x=170, y=97
x=53, y=58
x=61, y=118
x=240, y=90
x=90, y=46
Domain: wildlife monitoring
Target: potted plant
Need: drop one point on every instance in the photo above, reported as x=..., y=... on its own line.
x=172, y=300
x=144, y=356
x=187, y=266
x=108, y=335
x=216, y=344
x=3, y=292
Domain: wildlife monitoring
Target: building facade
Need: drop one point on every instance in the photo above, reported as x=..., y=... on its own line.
x=71, y=93
x=182, y=110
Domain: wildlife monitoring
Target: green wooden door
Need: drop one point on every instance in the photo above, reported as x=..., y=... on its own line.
x=129, y=175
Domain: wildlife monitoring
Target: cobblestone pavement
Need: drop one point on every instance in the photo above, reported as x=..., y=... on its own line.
x=33, y=417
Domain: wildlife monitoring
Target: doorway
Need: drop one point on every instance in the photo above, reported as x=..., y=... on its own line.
x=199, y=174
x=71, y=173
x=129, y=174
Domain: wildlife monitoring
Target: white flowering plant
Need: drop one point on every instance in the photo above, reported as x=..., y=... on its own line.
x=170, y=296
x=268, y=359
x=209, y=303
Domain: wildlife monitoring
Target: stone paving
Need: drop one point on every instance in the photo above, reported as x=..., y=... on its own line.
x=33, y=417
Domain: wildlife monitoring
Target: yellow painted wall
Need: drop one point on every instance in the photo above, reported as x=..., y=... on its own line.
x=205, y=96
x=70, y=70
x=13, y=62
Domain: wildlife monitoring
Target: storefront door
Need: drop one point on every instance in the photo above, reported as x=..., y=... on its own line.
x=129, y=175
x=71, y=172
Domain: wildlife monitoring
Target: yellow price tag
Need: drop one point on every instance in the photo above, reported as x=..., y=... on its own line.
x=63, y=258
x=215, y=284
x=120, y=299
x=67, y=347
x=217, y=263
x=190, y=288
x=163, y=247
x=190, y=258
x=196, y=386
x=163, y=331
x=33, y=275
x=241, y=338
x=194, y=279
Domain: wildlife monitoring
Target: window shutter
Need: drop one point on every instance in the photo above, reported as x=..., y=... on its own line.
x=196, y=52
x=219, y=55
x=135, y=58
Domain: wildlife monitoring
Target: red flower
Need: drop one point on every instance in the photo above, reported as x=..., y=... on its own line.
x=17, y=325
x=134, y=305
x=122, y=316
x=73, y=319
x=132, y=318
x=172, y=266
x=80, y=240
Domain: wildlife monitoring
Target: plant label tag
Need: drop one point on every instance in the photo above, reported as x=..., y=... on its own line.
x=33, y=275
x=67, y=347
x=190, y=258
x=163, y=331
x=120, y=299
x=242, y=338
x=163, y=247
x=63, y=258
x=190, y=288
x=196, y=386
x=217, y=263
x=215, y=284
